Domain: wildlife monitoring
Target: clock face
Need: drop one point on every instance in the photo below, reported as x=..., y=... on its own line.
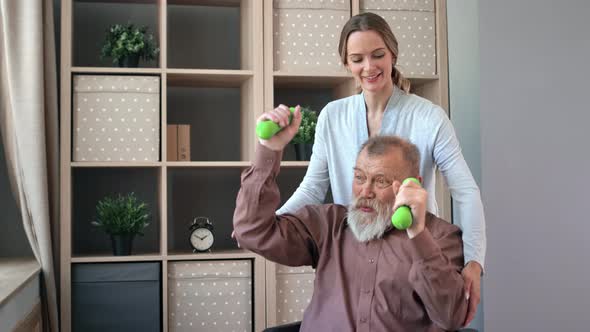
x=202, y=239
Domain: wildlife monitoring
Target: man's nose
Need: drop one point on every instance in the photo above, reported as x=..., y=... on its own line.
x=367, y=190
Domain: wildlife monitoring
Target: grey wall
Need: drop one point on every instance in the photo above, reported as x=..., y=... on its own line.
x=462, y=26
x=13, y=240
x=535, y=160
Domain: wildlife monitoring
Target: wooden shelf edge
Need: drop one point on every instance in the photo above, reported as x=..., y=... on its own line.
x=115, y=70
x=294, y=164
x=215, y=255
x=207, y=164
x=212, y=3
x=111, y=259
x=227, y=164
x=213, y=72
x=208, y=77
x=107, y=164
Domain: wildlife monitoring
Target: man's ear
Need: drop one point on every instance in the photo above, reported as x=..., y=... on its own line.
x=395, y=186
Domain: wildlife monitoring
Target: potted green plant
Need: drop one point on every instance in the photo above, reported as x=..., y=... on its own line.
x=122, y=217
x=303, y=140
x=126, y=43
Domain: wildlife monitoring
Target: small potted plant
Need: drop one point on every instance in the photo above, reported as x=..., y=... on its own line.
x=303, y=140
x=122, y=217
x=126, y=43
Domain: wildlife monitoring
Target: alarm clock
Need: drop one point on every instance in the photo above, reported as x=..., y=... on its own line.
x=201, y=234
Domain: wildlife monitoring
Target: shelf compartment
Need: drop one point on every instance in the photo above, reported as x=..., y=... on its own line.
x=298, y=92
x=89, y=185
x=92, y=19
x=209, y=192
x=191, y=43
x=214, y=116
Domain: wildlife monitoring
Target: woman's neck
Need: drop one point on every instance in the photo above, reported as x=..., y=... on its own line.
x=377, y=101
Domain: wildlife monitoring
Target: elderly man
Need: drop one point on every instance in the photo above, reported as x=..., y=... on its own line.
x=369, y=275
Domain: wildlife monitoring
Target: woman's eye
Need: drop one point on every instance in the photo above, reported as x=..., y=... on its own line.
x=378, y=56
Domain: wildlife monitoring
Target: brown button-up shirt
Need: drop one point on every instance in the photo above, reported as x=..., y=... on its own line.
x=389, y=284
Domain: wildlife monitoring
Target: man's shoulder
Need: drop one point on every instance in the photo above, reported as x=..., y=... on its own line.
x=439, y=227
x=334, y=214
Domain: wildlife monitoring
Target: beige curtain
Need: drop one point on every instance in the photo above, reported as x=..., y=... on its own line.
x=29, y=128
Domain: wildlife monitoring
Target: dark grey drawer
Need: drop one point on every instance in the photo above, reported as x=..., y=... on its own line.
x=116, y=297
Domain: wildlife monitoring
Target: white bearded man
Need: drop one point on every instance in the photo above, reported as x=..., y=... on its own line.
x=369, y=275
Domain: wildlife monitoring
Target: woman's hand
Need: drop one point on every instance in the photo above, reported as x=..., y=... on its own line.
x=472, y=276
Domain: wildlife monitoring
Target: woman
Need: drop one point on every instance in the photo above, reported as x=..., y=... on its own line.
x=369, y=51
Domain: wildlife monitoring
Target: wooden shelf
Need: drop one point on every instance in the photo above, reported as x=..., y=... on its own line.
x=315, y=79
x=294, y=164
x=109, y=259
x=221, y=254
x=116, y=70
x=213, y=3
x=208, y=77
x=206, y=164
x=282, y=79
x=105, y=164
x=119, y=1
x=228, y=164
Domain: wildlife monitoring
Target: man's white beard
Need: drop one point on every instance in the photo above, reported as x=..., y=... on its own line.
x=368, y=226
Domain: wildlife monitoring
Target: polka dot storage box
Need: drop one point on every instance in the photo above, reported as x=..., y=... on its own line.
x=294, y=291
x=116, y=118
x=413, y=23
x=210, y=296
x=306, y=34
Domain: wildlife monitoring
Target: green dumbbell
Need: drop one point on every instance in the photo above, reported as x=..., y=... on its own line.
x=268, y=128
x=402, y=217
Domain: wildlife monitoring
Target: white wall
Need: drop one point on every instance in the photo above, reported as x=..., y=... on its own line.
x=463, y=37
x=535, y=117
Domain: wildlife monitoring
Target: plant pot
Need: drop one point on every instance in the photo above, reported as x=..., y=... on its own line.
x=130, y=61
x=303, y=151
x=122, y=244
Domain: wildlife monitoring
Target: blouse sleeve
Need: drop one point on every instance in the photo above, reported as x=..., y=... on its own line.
x=314, y=186
x=468, y=212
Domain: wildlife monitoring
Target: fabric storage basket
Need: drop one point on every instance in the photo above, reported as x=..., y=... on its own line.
x=306, y=34
x=294, y=291
x=210, y=296
x=116, y=118
x=413, y=23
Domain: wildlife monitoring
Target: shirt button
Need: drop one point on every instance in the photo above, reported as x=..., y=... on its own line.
x=363, y=320
x=371, y=261
x=366, y=291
